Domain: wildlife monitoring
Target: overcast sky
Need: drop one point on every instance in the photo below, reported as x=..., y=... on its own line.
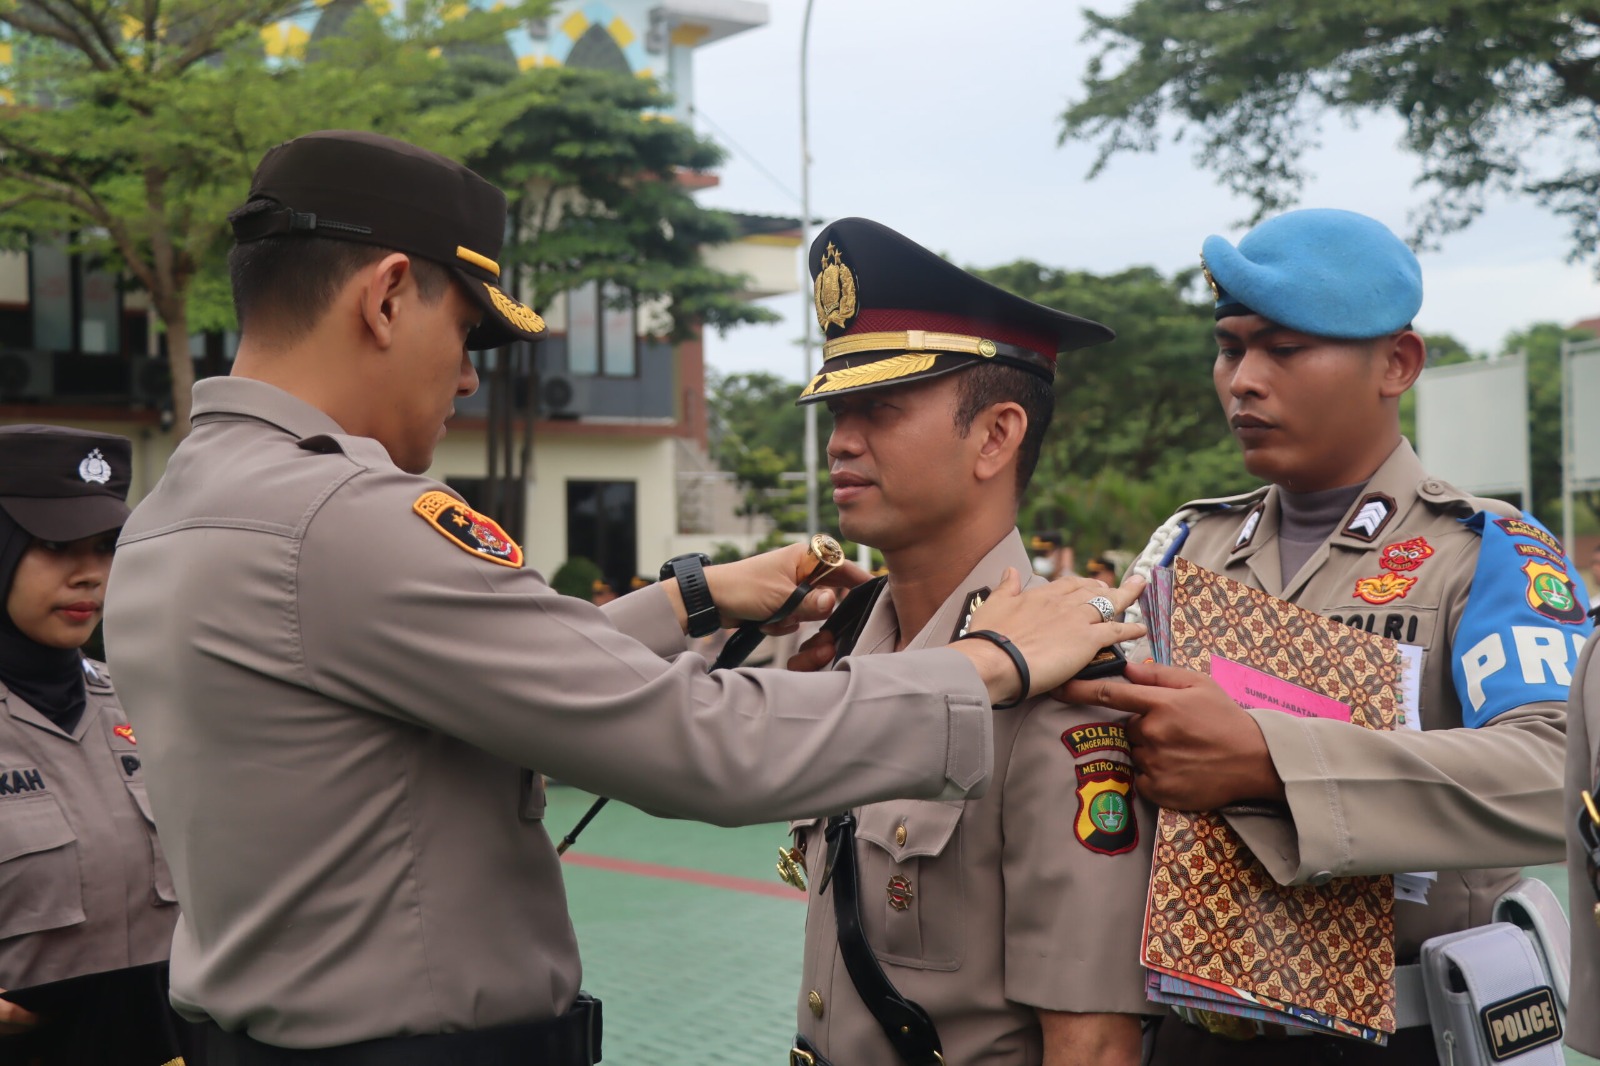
x=939, y=119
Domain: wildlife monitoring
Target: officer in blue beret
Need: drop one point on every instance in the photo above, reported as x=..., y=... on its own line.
x=1315, y=348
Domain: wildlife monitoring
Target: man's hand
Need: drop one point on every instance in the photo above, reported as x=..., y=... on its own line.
x=1194, y=749
x=756, y=587
x=815, y=653
x=15, y=1020
x=1054, y=627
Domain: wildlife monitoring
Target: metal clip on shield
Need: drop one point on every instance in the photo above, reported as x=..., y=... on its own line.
x=823, y=558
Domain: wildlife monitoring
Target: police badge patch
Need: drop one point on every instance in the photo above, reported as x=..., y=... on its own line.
x=1106, y=822
x=467, y=529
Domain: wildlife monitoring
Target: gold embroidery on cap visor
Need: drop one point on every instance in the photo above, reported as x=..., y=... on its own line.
x=478, y=260
x=850, y=377
x=519, y=315
x=835, y=292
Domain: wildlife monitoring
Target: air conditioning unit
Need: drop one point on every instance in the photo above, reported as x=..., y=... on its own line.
x=26, y=375
x=562, y=396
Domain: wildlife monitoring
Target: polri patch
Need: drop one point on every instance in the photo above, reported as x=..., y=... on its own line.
x=1521, y=1023
x=1405, y=555
x=1106, y=822
x=1385, y=588
x=467, y=529
x=1096, y=736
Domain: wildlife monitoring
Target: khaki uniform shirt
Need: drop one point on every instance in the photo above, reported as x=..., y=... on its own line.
x=83, y=884
x=1017, y=901
x=1583, y=765
x=341, y=705
x=1448, y=799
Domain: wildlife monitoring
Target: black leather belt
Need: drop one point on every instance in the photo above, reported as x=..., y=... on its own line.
x=906, y=1024
x=570, y=1040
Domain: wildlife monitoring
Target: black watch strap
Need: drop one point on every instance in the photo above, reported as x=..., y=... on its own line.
x=704, y=619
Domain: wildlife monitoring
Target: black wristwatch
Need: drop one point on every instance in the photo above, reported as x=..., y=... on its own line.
x=704, y=619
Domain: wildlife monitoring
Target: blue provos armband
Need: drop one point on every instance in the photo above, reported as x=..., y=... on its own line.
x=1525, y=621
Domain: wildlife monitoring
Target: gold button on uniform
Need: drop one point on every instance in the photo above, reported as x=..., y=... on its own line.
x=900, y=836
x=815, y=1002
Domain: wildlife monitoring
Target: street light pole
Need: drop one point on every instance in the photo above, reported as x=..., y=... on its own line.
x=813, y=522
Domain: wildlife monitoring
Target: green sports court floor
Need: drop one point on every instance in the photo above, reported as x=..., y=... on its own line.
x=691, y=940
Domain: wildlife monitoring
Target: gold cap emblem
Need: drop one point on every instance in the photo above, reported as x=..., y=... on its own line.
x=835, y=294
x=1216, y=293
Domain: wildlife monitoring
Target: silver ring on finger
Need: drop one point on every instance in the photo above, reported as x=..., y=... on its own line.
x=1107, y=609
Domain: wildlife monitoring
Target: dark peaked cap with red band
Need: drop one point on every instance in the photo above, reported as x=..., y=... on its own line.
x=892, y=312
x=352, y=186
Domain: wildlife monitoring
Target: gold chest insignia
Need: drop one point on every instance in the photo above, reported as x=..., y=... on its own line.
x=835, y=294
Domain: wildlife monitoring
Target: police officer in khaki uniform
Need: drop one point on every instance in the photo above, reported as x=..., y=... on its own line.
x=1315, y=348
x=1011, y=921
x=345, y=682
x=1583, y=854
x=84, y=888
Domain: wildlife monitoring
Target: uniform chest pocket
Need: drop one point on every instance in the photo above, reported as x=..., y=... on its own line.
x=913, y=888
x=160, y=875
x=41, y=885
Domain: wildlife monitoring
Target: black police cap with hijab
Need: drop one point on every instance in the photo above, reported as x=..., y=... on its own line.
x=56, y=484
x=348, y=185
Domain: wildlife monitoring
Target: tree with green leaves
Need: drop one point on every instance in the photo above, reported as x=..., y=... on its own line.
x=1484, y=87
x=1137, y=429
x=132, y=126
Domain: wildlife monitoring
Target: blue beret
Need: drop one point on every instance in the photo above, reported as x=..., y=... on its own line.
x=1330, y=273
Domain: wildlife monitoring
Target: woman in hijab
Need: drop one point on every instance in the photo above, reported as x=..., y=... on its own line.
x=84, y=888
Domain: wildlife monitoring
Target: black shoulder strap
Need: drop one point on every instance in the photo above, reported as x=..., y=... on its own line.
x=850, y=617
x=906, y=1024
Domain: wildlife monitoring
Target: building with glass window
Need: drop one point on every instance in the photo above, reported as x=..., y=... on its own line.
x=618, y=470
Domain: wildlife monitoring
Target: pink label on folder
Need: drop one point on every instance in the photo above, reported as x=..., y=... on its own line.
x=1250, y=687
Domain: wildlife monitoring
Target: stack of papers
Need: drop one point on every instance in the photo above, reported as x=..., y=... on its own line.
x=1221, y=937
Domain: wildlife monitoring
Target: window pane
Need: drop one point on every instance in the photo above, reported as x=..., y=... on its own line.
x=583, y=330
x=602, y=526
x=618, y=338
x=52, y=297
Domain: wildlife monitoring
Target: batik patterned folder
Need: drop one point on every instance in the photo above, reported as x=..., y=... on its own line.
x=1215, y=915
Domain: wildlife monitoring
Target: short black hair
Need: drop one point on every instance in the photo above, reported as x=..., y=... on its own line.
x=984, y=386
x=285, y=284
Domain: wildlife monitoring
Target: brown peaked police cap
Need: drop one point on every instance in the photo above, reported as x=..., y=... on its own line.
x=353, y=186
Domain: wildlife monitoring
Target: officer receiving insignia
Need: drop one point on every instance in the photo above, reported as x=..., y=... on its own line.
x=958, y=929
x=1315, y=347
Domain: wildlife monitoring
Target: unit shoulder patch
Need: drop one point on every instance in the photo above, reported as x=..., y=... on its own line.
x=467, y=529
x=1106, y=821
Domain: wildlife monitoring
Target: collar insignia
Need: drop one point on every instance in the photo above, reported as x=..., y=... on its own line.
x=835, y=294
x=1372, y=514
x=94, y=468
x=467, y=529
x=1247, y=532
x=975, y=600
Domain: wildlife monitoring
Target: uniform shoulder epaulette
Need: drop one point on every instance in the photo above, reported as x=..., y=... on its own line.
x=364, y=451
x=1443, y=496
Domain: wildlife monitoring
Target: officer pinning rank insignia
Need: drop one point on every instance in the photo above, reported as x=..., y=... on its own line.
x=1106, y=822
x=467, y=529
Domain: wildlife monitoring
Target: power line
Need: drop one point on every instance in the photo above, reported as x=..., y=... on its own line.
x=739, y=149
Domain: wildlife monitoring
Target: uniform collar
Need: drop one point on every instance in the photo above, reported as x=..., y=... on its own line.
x=1010, y=551
x=96, y=690
x=218, y=399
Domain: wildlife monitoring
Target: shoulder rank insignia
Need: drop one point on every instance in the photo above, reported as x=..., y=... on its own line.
x=467, y=529
x=1384, y=588
x=1106, y=822
x=1405, y=554
x=1372, y=514
x=964, y=622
